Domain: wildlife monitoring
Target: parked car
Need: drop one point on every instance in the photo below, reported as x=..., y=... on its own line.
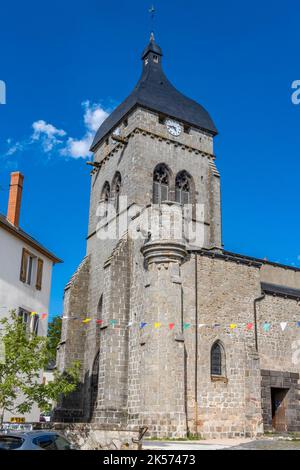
x=34, y=440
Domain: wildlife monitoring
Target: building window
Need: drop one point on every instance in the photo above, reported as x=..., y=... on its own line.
x=31, y=322
x=161, y=181
x=31, y=269
x=217, y=359
x=116, y=190
x=183, y=188
x=155, y=59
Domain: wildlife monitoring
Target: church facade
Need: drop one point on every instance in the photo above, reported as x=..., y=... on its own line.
x=173, y=332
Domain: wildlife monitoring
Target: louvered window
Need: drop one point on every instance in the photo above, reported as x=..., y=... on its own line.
x=160, y=184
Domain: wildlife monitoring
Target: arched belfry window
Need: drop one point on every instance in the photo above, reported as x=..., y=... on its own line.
x=161, y=184
x=183, y=188
x=217, y=360
x=116, y=190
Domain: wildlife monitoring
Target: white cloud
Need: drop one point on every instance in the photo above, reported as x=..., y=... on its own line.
x=51, y=138
x=78, y=148
x=14, y=147
x=94, y=115
x=47, y=134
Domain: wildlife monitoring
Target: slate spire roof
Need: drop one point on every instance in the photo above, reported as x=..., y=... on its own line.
x=154, y=92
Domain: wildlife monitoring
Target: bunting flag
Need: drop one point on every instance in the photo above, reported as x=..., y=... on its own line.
x=283, y=325
x=266, y=326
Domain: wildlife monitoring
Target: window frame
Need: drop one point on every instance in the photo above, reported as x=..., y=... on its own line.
x=218, y=371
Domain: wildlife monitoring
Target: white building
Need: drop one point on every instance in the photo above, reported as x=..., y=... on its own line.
x=25, y=271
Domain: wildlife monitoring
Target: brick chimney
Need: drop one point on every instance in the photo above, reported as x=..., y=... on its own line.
x=15, y=198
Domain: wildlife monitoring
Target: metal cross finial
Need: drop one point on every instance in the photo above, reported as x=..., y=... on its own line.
x=152, y=12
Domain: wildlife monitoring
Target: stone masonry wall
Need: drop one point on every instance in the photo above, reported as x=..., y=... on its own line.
x=72, y=343
x=226, y=406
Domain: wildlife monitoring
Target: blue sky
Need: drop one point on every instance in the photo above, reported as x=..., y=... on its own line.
x=66, y=62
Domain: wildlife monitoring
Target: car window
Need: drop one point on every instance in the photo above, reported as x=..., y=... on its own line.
x=10, y=442
x=61, y=443
x=45, y=442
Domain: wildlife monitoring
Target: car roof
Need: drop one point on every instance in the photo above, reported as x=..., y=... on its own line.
x=26, y=433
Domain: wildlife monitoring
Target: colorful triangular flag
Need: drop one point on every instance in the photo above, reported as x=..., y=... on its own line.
x=87, y=320
x=113, y=322
x=171, y=326
x=201, y=325
x=99, y=322
x=298, y=324
x=142, y=325
x=157, y=325
x=233, y=326
x=283, y=325
x=33, y=313
x=186, y=326
x=267, y=326
x=249, y=326
x=44, y=316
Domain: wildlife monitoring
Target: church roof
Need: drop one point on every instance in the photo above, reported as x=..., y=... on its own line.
x=154, y=92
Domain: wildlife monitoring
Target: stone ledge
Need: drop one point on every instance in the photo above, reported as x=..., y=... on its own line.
x=93, y=436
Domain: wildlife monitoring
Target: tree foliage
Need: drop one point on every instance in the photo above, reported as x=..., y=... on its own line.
x=54, y=335
x=24, y=356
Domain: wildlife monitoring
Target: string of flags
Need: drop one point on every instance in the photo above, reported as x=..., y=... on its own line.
x=267, y=326
x=42, y=315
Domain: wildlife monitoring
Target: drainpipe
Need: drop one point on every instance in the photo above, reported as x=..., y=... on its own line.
x=258, y=299
x=196, y=343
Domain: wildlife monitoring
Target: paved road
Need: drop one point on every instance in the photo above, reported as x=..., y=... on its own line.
x=263, y=444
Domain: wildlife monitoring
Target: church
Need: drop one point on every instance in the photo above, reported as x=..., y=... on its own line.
x=173, y=332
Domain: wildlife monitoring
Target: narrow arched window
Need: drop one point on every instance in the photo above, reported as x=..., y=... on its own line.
x=116, y=190
x=183, y=188
x=217, y=364
x=105, y=194
x=105, y=198
x=100, y=308
x=161, y=182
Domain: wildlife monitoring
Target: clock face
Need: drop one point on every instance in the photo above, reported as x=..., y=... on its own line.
x=173, y=127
